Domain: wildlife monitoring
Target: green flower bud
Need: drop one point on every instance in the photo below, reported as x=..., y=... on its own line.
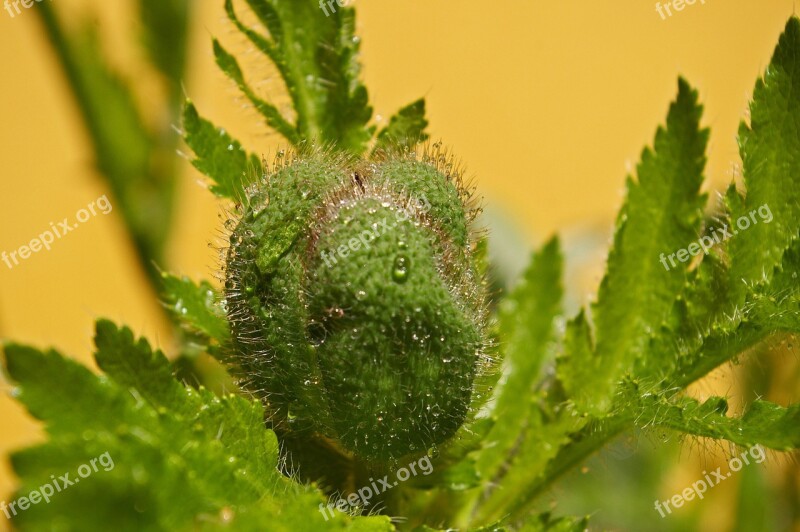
x=356, y=307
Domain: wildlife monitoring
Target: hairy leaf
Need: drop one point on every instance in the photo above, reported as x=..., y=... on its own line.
x=174, y=457
x=219, y=156
x=316, y=54
x=767, y=219
x=228, y=64
x=406, y=128
x=763, y=422
x=661, y=215
x=197, y=306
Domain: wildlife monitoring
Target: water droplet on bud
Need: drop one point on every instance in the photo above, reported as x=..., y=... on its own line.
x=400, y=269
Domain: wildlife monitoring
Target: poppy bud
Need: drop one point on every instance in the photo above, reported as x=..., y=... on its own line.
x=355, y=303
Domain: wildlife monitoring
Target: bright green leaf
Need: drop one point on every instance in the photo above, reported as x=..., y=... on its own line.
x=219, y=156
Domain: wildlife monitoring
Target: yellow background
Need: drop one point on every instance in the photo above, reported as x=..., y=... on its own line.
x=548, y=104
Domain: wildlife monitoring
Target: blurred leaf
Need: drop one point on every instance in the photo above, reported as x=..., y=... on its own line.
x=547, y=523
x=754, y=510
x=165, y=28
x=122, y=144
x=137, y=163
x=527, y=318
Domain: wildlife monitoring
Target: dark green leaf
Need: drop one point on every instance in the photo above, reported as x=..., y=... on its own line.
x=406, y=128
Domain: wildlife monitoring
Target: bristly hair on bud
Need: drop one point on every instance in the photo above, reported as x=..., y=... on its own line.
x=356, y=299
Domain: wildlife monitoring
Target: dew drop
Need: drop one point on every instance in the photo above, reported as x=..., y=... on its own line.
x=400, y=269
x=360, y=295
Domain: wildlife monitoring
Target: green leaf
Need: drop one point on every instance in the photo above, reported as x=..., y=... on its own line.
x=228, y=64
x=406, y=128
x=763, y=422
x=179, y=458
x=578, y=347
x=316, y=54
x=197, y=306
x=133, y=365
x=219, y=156
x=769, y=147
x=66, y=410
x=526, y=323
x=527, y=327
x=124, y=149
x=755, y=511
x=547, y=523
x=661, y=215
x=165, y=26
x=769, y=308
